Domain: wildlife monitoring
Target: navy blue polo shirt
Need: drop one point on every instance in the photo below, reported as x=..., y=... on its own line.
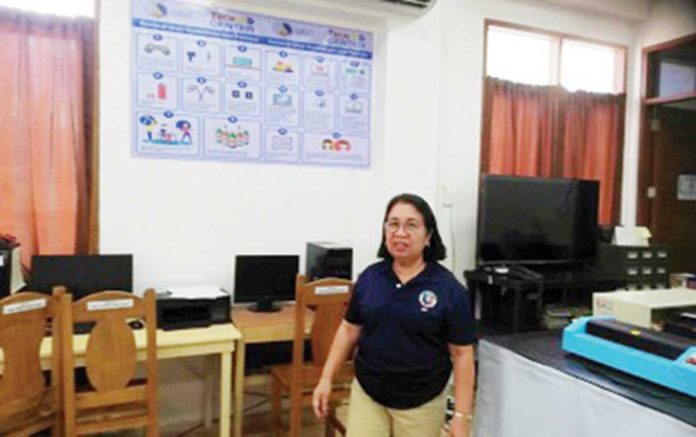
x=403, y=359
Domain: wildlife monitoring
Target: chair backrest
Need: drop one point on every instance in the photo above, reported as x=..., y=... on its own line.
x=111, y=353
x=25, y=319
x=328, y=299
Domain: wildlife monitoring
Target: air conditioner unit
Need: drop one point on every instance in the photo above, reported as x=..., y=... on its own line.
x=377, y=7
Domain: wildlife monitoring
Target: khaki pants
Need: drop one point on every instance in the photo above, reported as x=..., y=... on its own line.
x=367, y=418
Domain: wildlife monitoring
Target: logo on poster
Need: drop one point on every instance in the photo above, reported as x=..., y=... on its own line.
x=156, y=9
x=346, y=39
x=282, y=28
x=239, y=23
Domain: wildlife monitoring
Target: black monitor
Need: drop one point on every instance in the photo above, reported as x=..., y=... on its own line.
x=262, y=279
x=81, y=274
x=525, y=220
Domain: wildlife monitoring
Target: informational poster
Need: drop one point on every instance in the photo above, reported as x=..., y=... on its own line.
x=211, y=83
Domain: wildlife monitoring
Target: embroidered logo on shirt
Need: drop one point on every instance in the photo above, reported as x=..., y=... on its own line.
x=427, y=299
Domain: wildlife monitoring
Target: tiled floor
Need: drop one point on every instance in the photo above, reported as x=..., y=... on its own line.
x=257, y=419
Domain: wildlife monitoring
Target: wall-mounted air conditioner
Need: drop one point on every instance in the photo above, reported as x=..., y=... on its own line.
x=376, y=7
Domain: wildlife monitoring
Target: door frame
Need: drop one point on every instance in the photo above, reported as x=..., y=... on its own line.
x=646, y=162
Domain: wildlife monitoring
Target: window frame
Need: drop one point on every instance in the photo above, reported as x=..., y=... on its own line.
x=557, y=56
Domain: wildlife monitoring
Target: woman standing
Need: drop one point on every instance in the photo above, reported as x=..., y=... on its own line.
x=412, y=324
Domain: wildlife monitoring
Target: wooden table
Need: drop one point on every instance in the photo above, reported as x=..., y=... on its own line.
x=213, y=340
x=259, y=327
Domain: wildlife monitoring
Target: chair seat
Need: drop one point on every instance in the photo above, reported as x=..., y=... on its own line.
x=311, y=375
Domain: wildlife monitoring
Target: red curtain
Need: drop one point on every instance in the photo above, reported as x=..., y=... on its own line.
x=44, y=132
x=521, y=129
x=592, y=146
x=549, y=132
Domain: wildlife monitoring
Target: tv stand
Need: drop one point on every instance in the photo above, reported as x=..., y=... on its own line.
x=265, y=306
x=512, y=297
x=523, y=272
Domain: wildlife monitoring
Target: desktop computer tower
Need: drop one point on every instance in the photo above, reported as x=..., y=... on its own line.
x=11, y=279
x=328, y=260
x=5, y=271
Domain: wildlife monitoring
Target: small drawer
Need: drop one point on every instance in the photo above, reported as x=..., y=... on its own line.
x=646, y=270
x=662, y=254
x=660, y=270
x=647, y=254
x=632, y=271
x=632, y=254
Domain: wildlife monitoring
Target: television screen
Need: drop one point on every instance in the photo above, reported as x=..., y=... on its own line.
x=265, y=278
x=524, y=220
x=81, y=274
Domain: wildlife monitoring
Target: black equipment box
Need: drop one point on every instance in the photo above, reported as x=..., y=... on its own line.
x=5, y=271
x=328, y=260
x=180, y=313
x=643, y=267
x=658, y=343
x=7, y=252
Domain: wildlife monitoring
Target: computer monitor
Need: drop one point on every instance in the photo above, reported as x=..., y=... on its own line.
x=263, y=279
x=81, y=274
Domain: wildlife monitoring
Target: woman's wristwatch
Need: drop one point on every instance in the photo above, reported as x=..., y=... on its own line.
x=462, y=416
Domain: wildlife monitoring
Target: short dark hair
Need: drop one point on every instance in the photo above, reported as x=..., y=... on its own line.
x=436, y=250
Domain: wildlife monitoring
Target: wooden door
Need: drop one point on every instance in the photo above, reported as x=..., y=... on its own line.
x=673, y=221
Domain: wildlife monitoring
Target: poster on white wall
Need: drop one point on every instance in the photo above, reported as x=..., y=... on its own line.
x=212, y=83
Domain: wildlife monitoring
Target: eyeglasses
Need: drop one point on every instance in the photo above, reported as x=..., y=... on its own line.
x=409, y=227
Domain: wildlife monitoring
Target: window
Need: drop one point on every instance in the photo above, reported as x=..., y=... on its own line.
x=522, y=57
x=541, y=58
x=554, y=107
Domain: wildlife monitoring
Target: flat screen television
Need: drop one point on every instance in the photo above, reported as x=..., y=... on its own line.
x=263, y=279
x=81, y=274
x=525, y=220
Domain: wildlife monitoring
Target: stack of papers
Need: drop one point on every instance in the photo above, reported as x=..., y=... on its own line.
x=631, y=236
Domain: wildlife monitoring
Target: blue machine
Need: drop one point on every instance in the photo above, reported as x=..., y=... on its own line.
x=671, y=361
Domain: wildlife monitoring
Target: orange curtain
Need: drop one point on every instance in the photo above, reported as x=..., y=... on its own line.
x=549, y=132
x=520, y=131
x=43, y=139
x=592, y=146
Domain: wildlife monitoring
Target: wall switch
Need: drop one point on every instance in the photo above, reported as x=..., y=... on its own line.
x=446, y=199
x=652, y=192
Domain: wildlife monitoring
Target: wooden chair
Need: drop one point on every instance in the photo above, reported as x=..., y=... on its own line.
x=27, y=403
x=113, y=400
x=328, y=299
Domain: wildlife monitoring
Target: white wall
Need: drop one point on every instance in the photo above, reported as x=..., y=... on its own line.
x=637, y=10
x=185, y=221
x=668, y=20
